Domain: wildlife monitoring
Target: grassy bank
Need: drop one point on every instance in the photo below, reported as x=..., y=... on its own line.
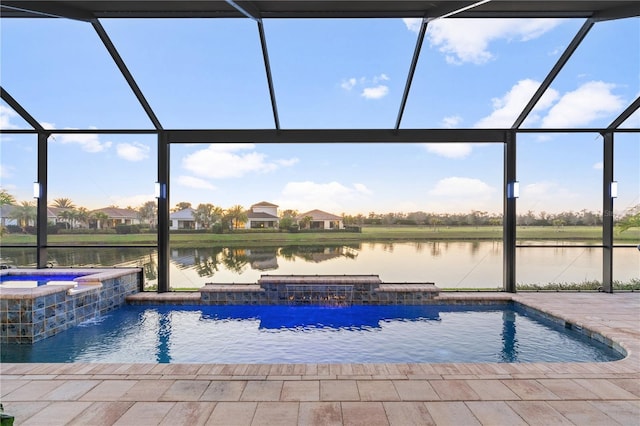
x=370, y=233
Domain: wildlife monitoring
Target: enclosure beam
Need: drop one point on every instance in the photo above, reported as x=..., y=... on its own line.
x=41, y=200
x=163, y=213
x=509, y=215
x=607, y=212
x=625, y=114
x=267, y=67
x=19, y=109
x=412, y=71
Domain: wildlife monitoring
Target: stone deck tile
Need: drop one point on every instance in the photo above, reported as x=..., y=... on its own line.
x=8, y=385
x=101, y=413
x=339, y=390
x=454, y=390
x=605, y=389
x=539, y=412
x=494, y=390
x=364, y=414
x=415, y=390
x=23, y=410
x=262, y=390
x=320, y=414
x=495, y=413
x=147, y=390
x=232, y=414
x=70, y=390
x=109, y=390
x=185, y=390
x=581, y=412
x=451, y=413
x=624, y=412
x=190, y=413
x=222, y=390
x=567, y=389
x=145, y=413
x=59, y=412
x=529, y=389
x=304, y=390
x=630, y=385
x=276, y=414
x=407, y=414
x=32, y=391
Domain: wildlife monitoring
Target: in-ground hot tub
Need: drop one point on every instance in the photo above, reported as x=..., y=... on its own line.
x=34, y=312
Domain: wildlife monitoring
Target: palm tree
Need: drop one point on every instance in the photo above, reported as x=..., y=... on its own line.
x=207, y=214
x=24, y=213
x=6, y=198
x=237, y=214
x=63, y=203
x=629, y=221
x=101, y=219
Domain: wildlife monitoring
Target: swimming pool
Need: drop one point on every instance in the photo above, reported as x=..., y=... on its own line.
x=315, y=334
x=29, y=280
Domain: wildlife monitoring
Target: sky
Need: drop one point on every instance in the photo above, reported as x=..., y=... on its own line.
x=341, y=74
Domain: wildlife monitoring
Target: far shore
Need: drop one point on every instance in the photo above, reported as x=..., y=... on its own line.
x=524, y=234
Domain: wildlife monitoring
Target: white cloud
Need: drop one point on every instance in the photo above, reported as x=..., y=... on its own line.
x=348, y=84
x=194, y=182
x=451, y=121
x=507, y=108
x=332, y=197
x=413, y=24
x=6, y=115
x=134, y=151
x=87, y=142
x=587, y=103
x=219, y=161
x=449, y=150
x=456, y=187
x=468, y=40
x=379, y=78
x=375, y=92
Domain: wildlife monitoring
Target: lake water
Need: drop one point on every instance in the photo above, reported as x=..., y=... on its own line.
x=448, y=264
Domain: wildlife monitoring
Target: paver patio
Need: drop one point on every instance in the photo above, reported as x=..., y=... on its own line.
x=351, y=394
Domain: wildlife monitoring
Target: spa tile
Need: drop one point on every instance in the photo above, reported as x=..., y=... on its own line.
x=408, y=414
x=415, y=390
x=101, y=413
x=220, y=390
x=276, y=414
x=262, y=391
x=339, y=390
x=190, y=413
x=145, y=413
x=232, y=414
x=377, y=390
x=320, y=414
x=364, y=414
x=451, y=413
x=185, y=390
x=59, y=412
x=495, y=413
x=305, y=390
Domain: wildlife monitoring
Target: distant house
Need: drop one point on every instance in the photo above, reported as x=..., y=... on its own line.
x=183, y=219
x=320, y=220
x=262, y=215
x=117, y=216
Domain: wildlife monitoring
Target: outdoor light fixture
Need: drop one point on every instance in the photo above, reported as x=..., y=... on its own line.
x=614, y=189
x=513, y=189
x=160, y=190
x=36, y=189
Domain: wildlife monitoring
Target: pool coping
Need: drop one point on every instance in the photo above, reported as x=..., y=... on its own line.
x=568, y=391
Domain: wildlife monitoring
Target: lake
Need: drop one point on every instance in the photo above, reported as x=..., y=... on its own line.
x=448, y=264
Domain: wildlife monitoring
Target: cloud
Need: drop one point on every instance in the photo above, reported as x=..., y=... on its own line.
x=221, y=161
x=451, y=121
x=456, y=187
x=332, y=197
x=194, y=182
x=133, y=151
x=507, y=108
x=468, y=40
x=88, y=142
x=598, y=166
x=587, y=103
x=449, y=150
x=6, y=115
x=371, y=87
x=375, y=92
x=131, y=201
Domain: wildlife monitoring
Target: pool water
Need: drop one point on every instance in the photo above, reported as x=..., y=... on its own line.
x=315, y=334
x=34, y=280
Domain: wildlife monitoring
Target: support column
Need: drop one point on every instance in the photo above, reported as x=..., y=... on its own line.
x=41, y=208
x=163, y=213
x=509, y=215
x=607, y=214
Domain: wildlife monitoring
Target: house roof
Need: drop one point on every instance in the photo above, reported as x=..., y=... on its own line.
x=261, y=215
x=115, y=212
x=184, y=214
x=319, y=215
x=263, y=204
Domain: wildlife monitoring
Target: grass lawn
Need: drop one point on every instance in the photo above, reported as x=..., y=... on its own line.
x=586, y=234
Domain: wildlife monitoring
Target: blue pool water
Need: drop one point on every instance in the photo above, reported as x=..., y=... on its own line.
x=34, y=280
x=314, y=334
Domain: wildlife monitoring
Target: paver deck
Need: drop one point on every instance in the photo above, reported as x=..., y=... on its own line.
x=351, y=394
